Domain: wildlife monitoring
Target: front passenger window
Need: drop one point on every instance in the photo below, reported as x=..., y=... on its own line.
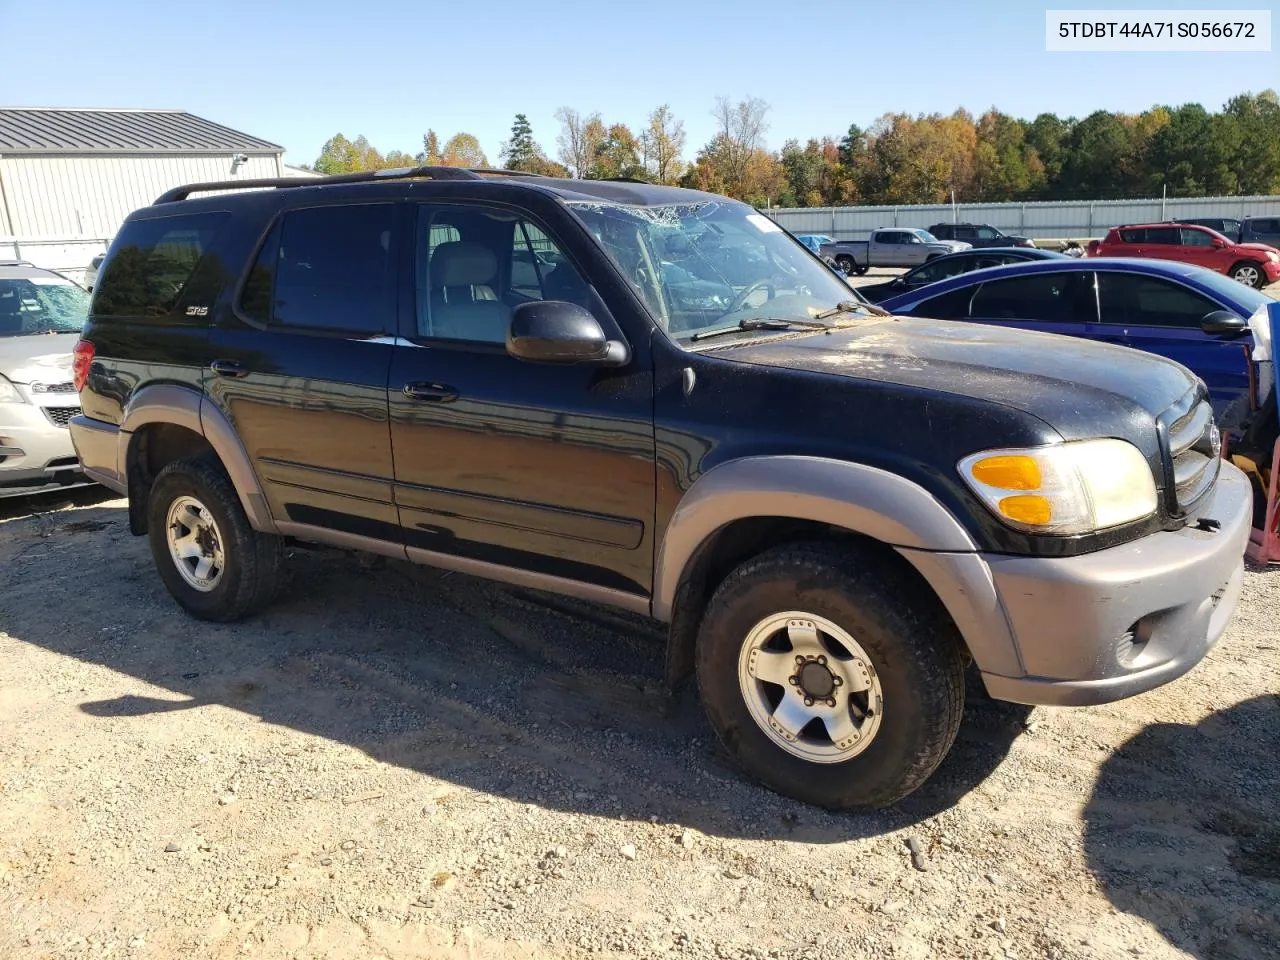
x=474, y=266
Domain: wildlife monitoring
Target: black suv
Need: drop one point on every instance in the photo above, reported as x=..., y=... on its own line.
x=978, y=235
x=1229, y=227
x=657, y=399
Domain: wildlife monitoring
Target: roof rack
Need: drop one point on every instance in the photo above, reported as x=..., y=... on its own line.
x=395, y=173
x=16, y=263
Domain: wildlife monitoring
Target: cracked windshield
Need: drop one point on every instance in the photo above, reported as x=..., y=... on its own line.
x=706, y=266
x=31, y=305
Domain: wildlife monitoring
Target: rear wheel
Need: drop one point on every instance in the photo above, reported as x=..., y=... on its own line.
x=847, y=264
x=828, y=679
x=1248, y=273
x=211, y=560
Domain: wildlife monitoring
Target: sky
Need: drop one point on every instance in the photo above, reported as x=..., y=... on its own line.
x=297, y=73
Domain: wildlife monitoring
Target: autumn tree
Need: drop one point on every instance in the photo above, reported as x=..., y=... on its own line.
x=617, y=155
x=463, y=150
x=662, y=144
x=340, y=155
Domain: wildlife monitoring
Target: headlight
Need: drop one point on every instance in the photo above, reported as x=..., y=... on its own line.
x=1272, y=255
x=1067, y=488
x=9, y=393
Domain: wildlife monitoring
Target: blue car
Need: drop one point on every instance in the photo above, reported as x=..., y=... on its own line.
x=1186, y=313
x=813, y=241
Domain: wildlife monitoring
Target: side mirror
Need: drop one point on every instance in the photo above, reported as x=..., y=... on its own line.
x=556, y=331
x=898, y=282
x=1219, y=242
x=1223, y=323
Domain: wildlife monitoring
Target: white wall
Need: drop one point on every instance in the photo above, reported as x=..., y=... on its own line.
x=1066, y=219
x=89, y=196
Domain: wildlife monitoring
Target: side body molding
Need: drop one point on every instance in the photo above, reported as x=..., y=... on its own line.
x=184, y=407
x=866, y=500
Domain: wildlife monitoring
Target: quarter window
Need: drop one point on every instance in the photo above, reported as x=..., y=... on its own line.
x=152, y=263
x=326, y=269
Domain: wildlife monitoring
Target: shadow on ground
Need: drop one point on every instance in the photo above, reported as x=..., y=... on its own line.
x=533, y=697
x=1183, y=830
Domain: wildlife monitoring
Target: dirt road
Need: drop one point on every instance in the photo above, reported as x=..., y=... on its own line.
x=395, y=762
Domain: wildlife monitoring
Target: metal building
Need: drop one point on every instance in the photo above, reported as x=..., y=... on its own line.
x=68, y=177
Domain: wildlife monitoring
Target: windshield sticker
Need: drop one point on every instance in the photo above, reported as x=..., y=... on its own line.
x=763, y=223
x=50, y=281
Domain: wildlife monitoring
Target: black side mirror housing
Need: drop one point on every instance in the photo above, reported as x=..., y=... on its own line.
x=1223, y=323
x=556, y=331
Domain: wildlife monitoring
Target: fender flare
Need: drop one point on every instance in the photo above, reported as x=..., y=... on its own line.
x=865, y=500
x=185, y=407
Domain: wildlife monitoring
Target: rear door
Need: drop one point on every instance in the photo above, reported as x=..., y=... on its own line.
x=884, y=249
x=1164, y=317
x=300, y=368
x=1162, y=243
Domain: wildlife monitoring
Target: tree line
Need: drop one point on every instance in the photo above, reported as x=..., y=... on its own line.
x=899, y=159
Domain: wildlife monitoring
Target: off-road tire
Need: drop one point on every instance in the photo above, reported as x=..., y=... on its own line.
x=914, y=647
x=254, y=561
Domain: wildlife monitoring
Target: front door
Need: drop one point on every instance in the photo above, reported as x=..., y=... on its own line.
x=1197, y=248
x=546, y=468
x=1164, y=317
x=301, y=367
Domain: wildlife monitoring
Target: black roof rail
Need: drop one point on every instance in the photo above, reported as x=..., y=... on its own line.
x=493, y=172
x=16, y=263
x=432, y=172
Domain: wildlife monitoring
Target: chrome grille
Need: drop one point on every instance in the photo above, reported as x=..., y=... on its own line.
x=1194, y=448
x=60, y=416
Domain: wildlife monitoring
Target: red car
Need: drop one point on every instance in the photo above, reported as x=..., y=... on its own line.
x=1255, y=264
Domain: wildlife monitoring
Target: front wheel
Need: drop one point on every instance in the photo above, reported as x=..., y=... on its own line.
x=1248, y=273
x=829, y=679
x=210, y=558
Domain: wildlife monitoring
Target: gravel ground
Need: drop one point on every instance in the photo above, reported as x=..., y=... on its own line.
x=397, y=762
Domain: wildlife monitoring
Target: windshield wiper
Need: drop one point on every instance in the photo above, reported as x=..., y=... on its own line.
x=761, y=323
x=852, y=306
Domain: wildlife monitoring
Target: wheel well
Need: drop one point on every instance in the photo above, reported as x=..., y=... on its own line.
x=734, y=544
x=153, y=447
x=1244, y=263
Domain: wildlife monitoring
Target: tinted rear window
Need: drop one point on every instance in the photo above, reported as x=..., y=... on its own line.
x=151, y=264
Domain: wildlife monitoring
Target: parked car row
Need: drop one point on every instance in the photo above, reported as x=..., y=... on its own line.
x=1253, y=264
x=1249, y=230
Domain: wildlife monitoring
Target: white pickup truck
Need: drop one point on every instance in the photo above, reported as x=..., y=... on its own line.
x=889, y=247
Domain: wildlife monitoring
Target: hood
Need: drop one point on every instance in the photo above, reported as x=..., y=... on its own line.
x=951, y=246
x=1080, y=388
x=1260, y=248
x=41, y=358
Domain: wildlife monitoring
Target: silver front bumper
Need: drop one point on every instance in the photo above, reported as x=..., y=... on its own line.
x=1111, y=624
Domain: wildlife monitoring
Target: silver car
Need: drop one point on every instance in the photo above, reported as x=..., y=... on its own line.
x=41, y=314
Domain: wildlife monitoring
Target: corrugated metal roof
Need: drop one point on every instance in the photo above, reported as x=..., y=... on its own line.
x=62, y=131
